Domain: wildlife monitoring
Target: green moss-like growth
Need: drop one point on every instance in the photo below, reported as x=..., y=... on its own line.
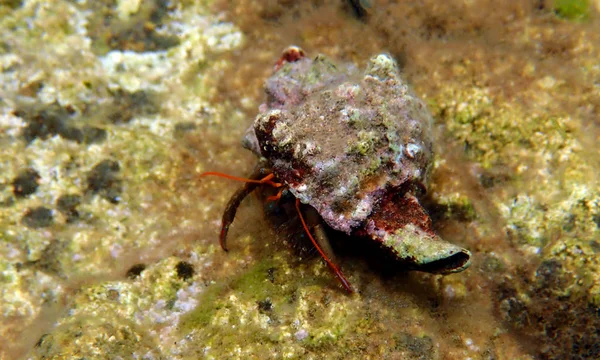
x=453, y=206
x=95, y=335
x=364, y=144
x=203, y=313
x=12, y=4
x=572, y=9
x=253, y=283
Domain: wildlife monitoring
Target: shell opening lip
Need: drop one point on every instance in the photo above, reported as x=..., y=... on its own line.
x=450, y=264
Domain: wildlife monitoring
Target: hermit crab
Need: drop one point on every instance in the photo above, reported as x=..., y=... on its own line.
x=354, y=148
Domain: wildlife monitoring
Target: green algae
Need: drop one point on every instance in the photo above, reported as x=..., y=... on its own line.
x=363, y=145
x=252, y=284
x=549, y=208
x=456, y=206
x=256, y=308
x=96, y=337
x=572, y=9
x=549, y=217
x=202, y=315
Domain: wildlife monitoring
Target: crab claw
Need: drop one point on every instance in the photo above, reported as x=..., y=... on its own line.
x=403, y=227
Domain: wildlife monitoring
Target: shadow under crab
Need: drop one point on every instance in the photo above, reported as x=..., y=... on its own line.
x=354, y=148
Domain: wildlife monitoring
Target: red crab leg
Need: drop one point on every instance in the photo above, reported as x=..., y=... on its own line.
x=333, y=267
x=236, y=199
x=231, y=208
x=276, y=197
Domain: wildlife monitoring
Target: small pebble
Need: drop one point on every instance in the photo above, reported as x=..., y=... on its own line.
x=39, y=217
x=26, y=183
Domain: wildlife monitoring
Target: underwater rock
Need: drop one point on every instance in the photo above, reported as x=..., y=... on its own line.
x=39, y=217
x=26, y=183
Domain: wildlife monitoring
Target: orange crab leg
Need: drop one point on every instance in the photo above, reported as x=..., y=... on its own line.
x=266, y=180
x=238, y=196
x=333, y=267
x=276, y=197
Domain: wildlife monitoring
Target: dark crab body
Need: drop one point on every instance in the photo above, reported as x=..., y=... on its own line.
x=354, y=147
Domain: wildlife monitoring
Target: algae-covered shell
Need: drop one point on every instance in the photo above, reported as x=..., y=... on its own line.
x=357, y=147
x=341, y=140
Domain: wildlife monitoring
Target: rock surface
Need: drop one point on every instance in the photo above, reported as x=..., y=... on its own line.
x=108, y=240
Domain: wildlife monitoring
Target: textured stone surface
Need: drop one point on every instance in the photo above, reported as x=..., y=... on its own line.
x=173, y=86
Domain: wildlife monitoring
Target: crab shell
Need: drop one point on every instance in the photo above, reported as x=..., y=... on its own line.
x=357, y=147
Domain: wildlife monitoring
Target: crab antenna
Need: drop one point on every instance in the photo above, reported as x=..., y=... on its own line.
x=335, y=269
x=265, y=180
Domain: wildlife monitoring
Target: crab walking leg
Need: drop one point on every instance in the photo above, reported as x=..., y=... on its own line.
x=231, y=209
x=252, y=182
x=333, y=267
x=313, y=219
x=276, y=197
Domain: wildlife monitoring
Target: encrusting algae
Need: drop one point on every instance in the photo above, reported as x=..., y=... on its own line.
x=110, y=110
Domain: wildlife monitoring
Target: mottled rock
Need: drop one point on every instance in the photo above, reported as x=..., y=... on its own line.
x=67, y=205
x=416, y=347
x=104, y=180
x=130, y=104
x=39, y=217
x=93, y=135
x=48, y=121
x=26, y=183
x=184, y=270
x=135, y=271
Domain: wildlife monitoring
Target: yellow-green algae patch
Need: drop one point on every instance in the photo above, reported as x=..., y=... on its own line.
x=548, y=192
x=202, y=315
x=56, y=93
x=124, y=318
x=252, y=284
x=269, y=308
x=572, y=9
